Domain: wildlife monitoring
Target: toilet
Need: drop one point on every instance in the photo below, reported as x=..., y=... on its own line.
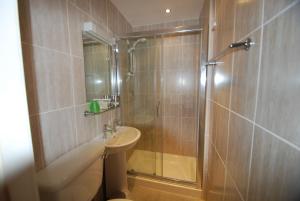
x=76, y=176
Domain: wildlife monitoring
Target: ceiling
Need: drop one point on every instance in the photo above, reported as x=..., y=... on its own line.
x=146, y=12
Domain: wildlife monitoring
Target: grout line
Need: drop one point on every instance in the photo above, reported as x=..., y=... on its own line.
x=46, y=48
x=83, y=11
x=53, y=50
x=72, y=75
x=270, y=20
x=57, y=110
x=230, y=104
x=251, y=32
x=227, y=172
x=70, y=50
x=256, y=99
x=76, y=56
x=237, y=114
x=256, y=124
x=256, y=102
x=225, y=182
x=278, y=137
x=216, y=150
x=224, y=107
x=236, y=187
x=98, y=24
x=281, y=12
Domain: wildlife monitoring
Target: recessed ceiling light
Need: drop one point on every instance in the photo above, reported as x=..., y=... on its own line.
x=168, y=10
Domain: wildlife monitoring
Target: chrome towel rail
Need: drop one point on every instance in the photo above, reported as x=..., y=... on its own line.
x=246, y=44
x=213, y=63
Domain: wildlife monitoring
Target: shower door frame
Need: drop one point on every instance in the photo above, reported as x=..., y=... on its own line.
x=168, y=32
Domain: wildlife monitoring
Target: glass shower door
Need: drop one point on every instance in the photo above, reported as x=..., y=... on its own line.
x=160, y=80
x=140, y=100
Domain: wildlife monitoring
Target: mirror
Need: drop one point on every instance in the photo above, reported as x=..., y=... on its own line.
x=101, y=72
x=98, y=67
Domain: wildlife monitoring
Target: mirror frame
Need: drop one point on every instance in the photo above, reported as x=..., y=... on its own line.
x=101, y=35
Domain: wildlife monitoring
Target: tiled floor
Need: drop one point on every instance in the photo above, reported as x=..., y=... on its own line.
x=166, y=165
x=141, y=193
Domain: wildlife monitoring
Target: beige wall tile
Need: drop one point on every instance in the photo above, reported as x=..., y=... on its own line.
x=231, y=192
x=247, y=17
x=190, y=55
x=225, y=24
x=273, y=173
x=49, y=81
x=172, y=105
x=78, y=81
x=58, y=133
x=216, y=178
x=239, y=151
x=54, y=76
x=155, y=54
x=220, y=130
x=272, y=7
x=142, y=57
x=275, y=169
x=244, y=80
x=172, y=56
x=191, y=39
x=44, y=23
x=85, y=5
x=221, y=81
x=171, y=81
x=171, y=135
x=279, y=97
x=188, y=105
x=112, y=17
x=122, y=24
x=188, y=149
x=171, y=41
x=140, y=82
x=188, y=130
x=188, y=81
x=76, y=20
x=86, y=127
x=99, y=11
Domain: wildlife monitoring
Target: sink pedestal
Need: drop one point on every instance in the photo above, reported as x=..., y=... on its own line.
x=116, y=164
x=116, y=175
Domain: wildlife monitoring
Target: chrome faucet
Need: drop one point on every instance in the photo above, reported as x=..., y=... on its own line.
x=115, y=124
x=107, y=128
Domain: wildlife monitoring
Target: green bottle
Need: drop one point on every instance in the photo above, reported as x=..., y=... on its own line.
x=94, y=106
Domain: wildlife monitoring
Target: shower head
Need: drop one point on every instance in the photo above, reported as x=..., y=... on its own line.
x=141, y=40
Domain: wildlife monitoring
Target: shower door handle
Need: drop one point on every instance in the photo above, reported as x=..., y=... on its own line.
x=157, y=108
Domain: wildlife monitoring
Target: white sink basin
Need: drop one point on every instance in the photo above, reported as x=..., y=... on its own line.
x=122, y=140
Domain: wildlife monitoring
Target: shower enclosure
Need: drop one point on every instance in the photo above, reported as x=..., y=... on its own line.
x=160, y=79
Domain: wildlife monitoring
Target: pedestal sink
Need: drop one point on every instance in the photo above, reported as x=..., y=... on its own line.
x=115, y=162
x=122, y=140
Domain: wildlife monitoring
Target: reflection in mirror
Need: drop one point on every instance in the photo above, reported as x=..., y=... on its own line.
x=97, y=64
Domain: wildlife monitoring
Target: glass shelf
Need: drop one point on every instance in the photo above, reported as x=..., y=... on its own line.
x=88, y=113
